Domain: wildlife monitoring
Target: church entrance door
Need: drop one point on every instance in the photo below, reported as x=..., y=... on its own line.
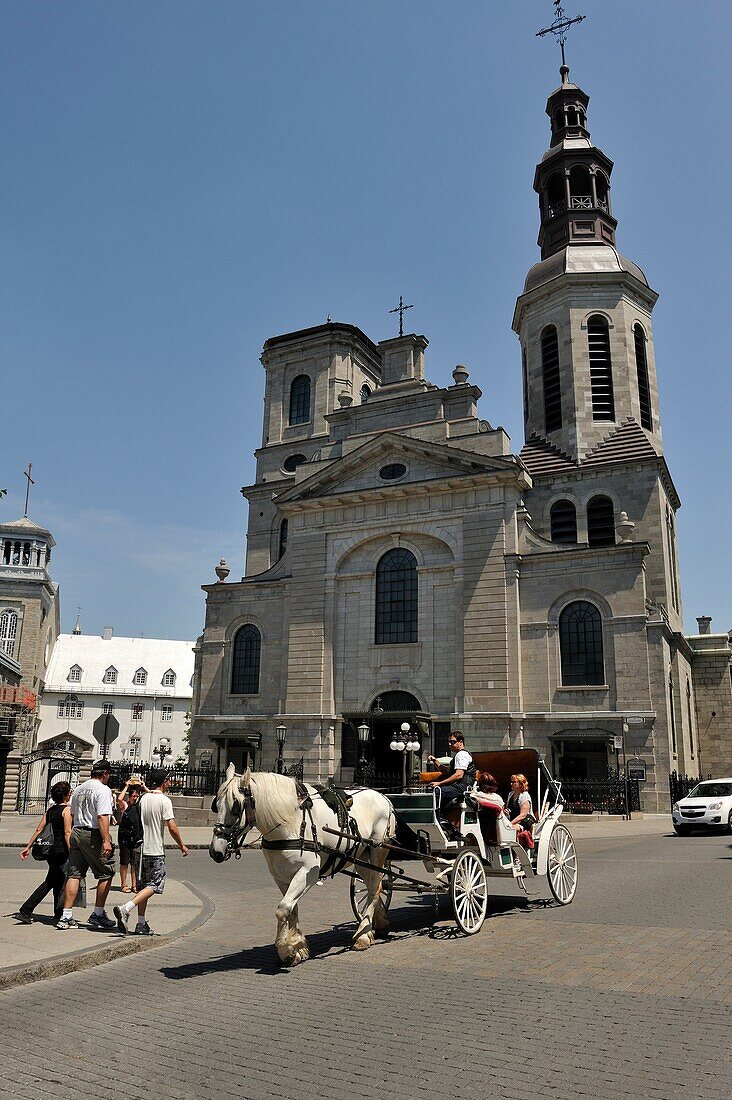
x=387, y=713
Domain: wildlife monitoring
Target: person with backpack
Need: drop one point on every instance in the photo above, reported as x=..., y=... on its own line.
x=129, y=835
x=58, y=817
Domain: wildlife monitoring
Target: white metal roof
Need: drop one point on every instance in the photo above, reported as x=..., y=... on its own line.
x=94, y=655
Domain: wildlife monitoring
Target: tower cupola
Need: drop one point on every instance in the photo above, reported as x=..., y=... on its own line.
x=573, y=178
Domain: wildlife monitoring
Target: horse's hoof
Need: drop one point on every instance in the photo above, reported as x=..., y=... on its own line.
x=363, y=942
x=383, y=933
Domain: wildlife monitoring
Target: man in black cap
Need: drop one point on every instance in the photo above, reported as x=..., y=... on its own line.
x=90, y=846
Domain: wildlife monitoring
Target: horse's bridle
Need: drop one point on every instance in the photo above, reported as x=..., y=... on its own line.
x=234, y=834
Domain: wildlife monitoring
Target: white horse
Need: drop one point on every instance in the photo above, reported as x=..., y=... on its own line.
x=297, y=847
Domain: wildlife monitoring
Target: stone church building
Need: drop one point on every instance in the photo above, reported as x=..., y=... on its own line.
x=403, y=563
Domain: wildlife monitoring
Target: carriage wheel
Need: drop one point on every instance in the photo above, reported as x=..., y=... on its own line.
x=562, y=865
x=469, y=893
x=359, y=895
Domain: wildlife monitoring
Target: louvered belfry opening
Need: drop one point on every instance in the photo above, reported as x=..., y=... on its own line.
x=600, y=522
x=552, y=384
x=563, y=521
x=601, y=371
x=644, y=389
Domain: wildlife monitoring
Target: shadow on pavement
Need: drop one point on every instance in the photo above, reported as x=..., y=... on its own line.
x=415, y=917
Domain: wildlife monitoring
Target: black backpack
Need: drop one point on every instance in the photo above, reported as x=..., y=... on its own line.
x=130, y=827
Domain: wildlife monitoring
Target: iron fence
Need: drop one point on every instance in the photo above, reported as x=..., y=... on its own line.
x=199, y=782
x=680, y=785
x=614, y=795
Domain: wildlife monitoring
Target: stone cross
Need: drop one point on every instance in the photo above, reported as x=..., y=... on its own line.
x=27, y=474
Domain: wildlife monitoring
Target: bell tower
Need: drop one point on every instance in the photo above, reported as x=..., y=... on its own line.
x=584, y=318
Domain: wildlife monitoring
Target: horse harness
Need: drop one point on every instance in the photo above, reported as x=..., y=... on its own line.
x=340, y=803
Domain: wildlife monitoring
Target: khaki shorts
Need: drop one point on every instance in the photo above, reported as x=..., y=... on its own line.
x=85, y=853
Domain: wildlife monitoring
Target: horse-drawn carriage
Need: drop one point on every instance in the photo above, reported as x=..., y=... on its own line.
x=487, y=847
x=309, y=832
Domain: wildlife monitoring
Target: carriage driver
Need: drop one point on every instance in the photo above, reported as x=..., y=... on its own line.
x=459, y=773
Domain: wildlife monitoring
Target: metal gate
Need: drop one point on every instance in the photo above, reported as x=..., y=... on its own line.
x=38, y=772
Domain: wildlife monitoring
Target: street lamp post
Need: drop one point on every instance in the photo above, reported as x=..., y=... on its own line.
x=281, y=732
x=164, y=749
x=405, y=743
x=364, y=734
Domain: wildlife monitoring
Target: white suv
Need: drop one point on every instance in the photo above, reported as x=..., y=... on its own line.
x=709, y=803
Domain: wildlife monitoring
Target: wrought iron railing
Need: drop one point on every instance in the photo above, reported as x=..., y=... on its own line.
x=199, y=782
x=577, y=202
x=680, y=785
x=614, y=795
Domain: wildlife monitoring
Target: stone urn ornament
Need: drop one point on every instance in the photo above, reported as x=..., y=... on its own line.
x=222, y=570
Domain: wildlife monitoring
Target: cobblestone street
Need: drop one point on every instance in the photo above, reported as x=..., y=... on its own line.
x=625, y=993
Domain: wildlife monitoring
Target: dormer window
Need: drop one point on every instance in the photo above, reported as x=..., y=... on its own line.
x=169, y=679
x=75, y=674
x=110, y=676
x=140, y=678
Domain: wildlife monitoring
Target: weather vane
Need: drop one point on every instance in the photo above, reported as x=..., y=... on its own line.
x=560, y=26
x=401, y=309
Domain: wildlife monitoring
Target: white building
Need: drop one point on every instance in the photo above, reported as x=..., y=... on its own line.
x=144, y=682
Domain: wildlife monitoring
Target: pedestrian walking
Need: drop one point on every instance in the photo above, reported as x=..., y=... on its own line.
x=129, y=834
x=58, y=817
x=90, y=846
x=156, y=811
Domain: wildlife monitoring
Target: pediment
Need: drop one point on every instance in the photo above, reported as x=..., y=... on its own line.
x=376, y=466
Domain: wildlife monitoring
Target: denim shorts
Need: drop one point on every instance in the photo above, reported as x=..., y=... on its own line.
x=152, y=874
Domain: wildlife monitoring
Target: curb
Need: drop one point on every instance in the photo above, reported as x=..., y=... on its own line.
x=85, y=958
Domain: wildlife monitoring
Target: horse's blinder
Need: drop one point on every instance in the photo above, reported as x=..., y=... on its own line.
x=234, y=834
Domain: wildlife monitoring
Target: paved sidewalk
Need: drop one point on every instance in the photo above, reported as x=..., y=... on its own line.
x=40, y=950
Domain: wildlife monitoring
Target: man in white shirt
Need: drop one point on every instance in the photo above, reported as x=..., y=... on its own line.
x=460, y=773
x=156, y=811
x=90, y=846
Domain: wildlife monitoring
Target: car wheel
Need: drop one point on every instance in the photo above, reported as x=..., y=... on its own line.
x=682, y=830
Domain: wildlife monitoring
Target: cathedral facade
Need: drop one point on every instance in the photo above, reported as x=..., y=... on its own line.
x=404, y=564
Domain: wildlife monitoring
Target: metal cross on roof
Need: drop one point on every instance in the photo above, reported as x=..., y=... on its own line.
x=401, y=309
x=560, y=26
x=27, y=473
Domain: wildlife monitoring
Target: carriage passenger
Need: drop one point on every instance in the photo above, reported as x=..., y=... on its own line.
x=520, y=810
x=485, y=791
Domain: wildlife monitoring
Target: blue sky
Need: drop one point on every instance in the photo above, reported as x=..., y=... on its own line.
x=182, y=180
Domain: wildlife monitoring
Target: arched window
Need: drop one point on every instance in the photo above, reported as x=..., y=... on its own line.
x=8, y=631
x=292, y=462
x=70, y=707
x=140, y=677
x=602, y=190
x=601, y=368
x=169, y=679
x=283, y=539
x=365, y=392
x=550, y=374
x=689, y=718
x=644, y=389
x=245, y=661
x=563, y=520
x=525, y=375
x=300, y=400
x=580, y=644
x=600, y=522
x=555, y=195
x=396, y=598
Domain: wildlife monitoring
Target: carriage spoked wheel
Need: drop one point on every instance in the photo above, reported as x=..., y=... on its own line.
x=562, y=865
x=359, y=895
x=469, y=892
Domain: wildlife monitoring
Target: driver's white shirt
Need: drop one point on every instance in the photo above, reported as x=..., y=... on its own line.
x=462, y=760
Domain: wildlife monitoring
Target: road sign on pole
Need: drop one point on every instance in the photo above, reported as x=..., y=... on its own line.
x=106, y=730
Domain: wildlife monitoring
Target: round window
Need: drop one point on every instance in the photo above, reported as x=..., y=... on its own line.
x=292, y=462
x=392, y=471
